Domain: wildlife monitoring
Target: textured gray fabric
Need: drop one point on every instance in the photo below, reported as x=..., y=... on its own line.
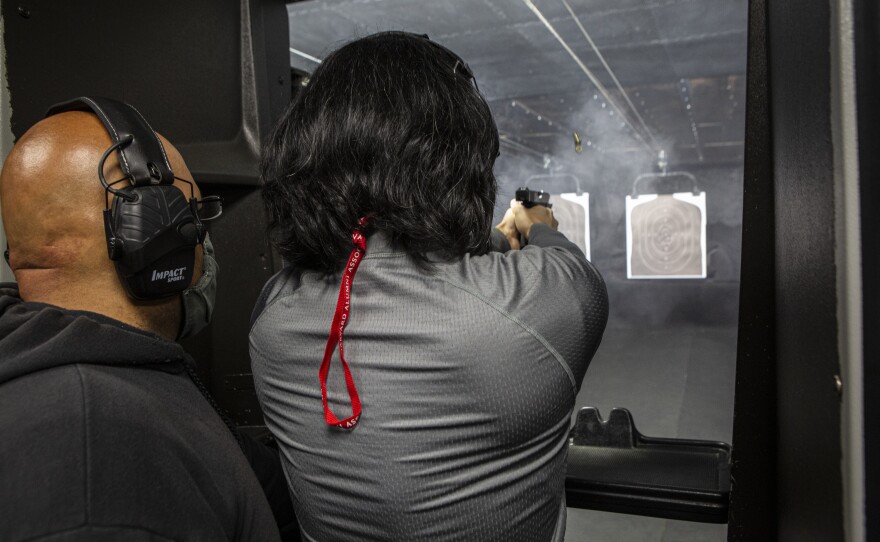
x=467, y=375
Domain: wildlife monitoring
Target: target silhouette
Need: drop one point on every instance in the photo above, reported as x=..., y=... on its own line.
x=666, y=237
x=572, y=211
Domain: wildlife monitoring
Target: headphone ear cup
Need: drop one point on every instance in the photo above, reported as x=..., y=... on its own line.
x=154, y=239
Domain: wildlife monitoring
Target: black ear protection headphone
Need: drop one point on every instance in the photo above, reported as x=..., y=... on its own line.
x=152, y=228
x=459, y=66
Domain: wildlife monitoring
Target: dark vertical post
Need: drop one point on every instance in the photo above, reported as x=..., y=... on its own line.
x=753, y=492
x=808, y=447
x=787, y=439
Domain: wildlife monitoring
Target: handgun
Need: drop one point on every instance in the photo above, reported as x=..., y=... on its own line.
x=530, y=198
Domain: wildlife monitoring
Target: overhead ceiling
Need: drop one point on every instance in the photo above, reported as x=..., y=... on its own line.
x=681, y=64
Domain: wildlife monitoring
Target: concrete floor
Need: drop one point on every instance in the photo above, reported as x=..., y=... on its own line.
x=677, y=382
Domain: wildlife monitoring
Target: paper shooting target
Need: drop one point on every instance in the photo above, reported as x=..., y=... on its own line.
x=666, y=236
x=572, y=211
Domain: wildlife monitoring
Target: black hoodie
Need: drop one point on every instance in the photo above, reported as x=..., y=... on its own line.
x=103, y=436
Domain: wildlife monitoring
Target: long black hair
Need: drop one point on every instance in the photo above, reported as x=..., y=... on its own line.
x=390, y=127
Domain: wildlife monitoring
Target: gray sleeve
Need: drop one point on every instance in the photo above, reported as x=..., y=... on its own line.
x=550, y=289
x=542, y=235
x=286, y=278
x=499, y=242
x=568, y=303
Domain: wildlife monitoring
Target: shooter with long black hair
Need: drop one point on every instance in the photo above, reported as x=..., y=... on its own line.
x=429, y=397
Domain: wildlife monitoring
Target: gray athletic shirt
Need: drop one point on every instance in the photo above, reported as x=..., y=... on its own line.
x=467, y=375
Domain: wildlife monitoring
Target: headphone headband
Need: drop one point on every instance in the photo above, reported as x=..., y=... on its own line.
x=461, y=67
x=144, y=160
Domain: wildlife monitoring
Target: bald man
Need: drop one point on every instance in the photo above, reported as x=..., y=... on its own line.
x=103, y=434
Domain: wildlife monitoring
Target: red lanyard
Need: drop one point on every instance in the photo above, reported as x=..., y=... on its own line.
x=340, y=319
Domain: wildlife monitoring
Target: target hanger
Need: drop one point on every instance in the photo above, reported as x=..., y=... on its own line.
x=554, y=176
x=695, y=188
